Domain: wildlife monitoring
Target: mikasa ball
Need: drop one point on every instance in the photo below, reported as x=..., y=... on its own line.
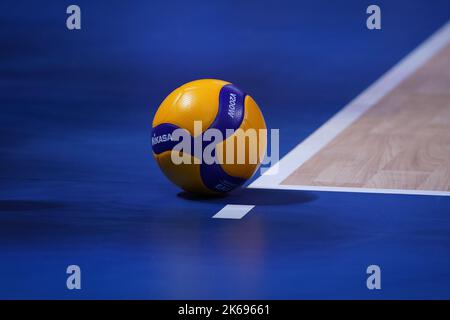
x=218, y=105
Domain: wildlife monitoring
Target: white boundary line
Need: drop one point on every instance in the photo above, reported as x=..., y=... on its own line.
x=272, y=178
x=358, y=190
x=233, y=211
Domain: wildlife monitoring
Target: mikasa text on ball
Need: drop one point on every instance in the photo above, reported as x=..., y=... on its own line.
x=216, y=118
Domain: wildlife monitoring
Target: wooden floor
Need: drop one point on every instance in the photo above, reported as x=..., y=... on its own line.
x=402, y=142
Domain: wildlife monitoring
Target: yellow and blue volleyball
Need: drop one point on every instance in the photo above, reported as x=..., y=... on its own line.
x=218, y=105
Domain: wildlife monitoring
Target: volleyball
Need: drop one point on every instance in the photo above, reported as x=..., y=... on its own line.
x=208, y=136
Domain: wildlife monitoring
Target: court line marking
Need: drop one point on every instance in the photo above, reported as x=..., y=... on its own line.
x=358, y=190
x=351, y=112
x=233, y=211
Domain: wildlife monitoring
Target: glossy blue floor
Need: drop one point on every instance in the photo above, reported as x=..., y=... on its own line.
x=78, y=184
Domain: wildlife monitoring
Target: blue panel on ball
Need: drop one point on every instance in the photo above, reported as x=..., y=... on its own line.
x=162, y=137
x=229, y=116
x=216, y=179
x=231, y=109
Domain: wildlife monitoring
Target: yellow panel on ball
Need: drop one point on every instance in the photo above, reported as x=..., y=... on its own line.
x=193, y=101
x=186, y=176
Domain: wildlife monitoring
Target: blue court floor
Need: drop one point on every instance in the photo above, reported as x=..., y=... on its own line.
x=79, y=185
